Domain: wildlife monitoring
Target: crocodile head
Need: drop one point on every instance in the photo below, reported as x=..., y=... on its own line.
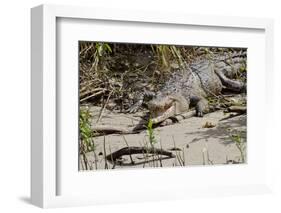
x=166, y=106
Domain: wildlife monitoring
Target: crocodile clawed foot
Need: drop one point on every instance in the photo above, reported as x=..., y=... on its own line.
x=200, y=114
x=132, y=109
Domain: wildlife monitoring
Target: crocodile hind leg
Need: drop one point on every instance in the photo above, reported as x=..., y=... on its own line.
x=233, y=85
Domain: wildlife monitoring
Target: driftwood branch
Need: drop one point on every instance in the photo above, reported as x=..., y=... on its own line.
x=109, y=129
x=112, y=129
x=238, y=109
x=112, y=157
x=178, y=118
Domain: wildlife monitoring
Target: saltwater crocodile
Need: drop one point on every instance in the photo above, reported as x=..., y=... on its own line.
x=193, y=84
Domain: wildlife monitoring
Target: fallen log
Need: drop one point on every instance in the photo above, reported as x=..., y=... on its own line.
x=238, y=109
x=137, y=150
x=109, y=129
x=178, y=118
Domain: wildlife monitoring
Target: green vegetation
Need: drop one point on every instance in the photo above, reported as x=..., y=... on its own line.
x=86, y=136
x=86, y=133
x=167, y=54
x=151, y=135
x=239, y=141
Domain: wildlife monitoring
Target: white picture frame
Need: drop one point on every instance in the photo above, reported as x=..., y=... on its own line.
x=46, y=171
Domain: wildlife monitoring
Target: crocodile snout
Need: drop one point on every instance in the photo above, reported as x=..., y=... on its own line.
x=162, y=108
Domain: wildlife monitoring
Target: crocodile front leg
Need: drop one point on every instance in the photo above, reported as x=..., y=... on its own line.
x=201, y=105
x=135, y=107
x=139, y=99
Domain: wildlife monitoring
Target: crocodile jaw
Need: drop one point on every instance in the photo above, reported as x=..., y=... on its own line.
x=162, y=108
x=171, y=111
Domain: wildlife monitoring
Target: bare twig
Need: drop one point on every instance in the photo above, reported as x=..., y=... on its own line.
x=104, y=151
x=93, y=95
x=102, y=109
